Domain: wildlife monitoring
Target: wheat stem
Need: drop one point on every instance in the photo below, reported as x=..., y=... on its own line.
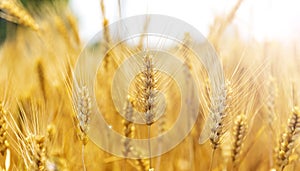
x=149, y=145
x=82, y=157
x=212, y=159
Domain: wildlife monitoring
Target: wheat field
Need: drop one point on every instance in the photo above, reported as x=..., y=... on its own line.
x=46, y=121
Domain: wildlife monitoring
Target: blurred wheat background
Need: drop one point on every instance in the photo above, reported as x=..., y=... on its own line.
x=43, y=127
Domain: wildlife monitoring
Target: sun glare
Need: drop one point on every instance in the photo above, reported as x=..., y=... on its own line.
x=262, y=20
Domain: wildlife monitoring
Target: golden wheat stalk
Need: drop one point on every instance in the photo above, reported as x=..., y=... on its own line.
x=217, y=122
x=271, y=114
x=13, y=12
x=146, y=86
x=288, y=139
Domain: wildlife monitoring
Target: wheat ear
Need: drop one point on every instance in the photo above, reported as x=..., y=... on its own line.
x=3, y=131
x=239, y=133
x=41, y=152
x=84, y=111
x=147, y=88
x=128, y=127
x=35, y=148
x=219, y=119
x=4, y=145
x=13, y=12
x=83, y=115
x=271, y=113
x=140, y=161
x=41, y=77
x=219, y=114
x=288, y=139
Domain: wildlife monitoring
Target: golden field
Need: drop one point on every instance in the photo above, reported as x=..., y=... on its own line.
x=44, y=127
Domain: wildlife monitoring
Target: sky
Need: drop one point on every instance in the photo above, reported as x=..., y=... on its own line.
x=258, y=19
